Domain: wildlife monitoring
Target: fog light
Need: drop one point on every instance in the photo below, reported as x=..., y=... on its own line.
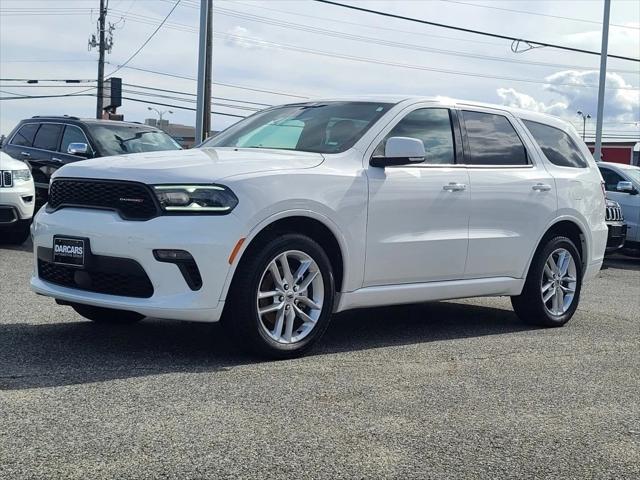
x=185, y=263
x=172, y=255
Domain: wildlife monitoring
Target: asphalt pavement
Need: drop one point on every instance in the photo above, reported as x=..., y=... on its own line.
x=456, y=390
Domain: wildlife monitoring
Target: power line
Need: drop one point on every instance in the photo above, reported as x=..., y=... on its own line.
x=193, y=94
x=538, y=14
x=405, y=65
x=469, y=30
x=180, y=107
x=242, y=87
x=147, y=40
x=390, y=43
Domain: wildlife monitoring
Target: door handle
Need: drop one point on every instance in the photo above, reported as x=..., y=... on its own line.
x=57, y=160
x=25, y=154
x=455, y=187
x=541, y=187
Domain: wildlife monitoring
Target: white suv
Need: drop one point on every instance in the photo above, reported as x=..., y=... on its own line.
x=308, y=209
x=17, y=200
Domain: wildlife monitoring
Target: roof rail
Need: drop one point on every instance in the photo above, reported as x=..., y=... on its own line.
x=56, y=116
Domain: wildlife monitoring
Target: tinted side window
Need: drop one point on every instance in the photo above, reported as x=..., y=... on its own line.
x=47, y=136
x=556, y=145
x=24, y=136
x=433, y=127
x=492, y=140
x=611, y=179
x=72, y=135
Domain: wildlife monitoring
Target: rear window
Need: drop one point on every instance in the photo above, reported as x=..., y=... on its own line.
x=557, y=146
x=493, y=140
x=48, y=136
x=24, y=136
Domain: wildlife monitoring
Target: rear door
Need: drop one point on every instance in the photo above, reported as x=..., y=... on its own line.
x=19, y=145
x=513, y=196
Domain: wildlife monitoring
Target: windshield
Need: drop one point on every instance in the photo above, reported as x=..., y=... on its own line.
x=122, y=139
x=634, y=173
x=327, y=127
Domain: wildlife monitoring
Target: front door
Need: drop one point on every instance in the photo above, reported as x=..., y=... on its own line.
x=417, y=228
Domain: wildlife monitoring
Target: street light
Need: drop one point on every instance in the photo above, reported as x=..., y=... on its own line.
x=160, y=114
x=584, y=116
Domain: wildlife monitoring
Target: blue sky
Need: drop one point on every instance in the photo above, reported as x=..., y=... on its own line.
x=299, y=47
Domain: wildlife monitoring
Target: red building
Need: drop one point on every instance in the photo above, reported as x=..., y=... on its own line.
x=618, y=151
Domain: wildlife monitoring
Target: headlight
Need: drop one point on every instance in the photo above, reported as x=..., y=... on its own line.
x=21, y=176
x=207, y=199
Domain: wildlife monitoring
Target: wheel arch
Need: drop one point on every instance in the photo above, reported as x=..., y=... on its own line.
x=571, y=228
x=316, y=226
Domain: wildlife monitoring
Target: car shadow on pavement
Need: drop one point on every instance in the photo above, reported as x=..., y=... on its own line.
x=25, y=247
x=622, y=262
x=68, y=353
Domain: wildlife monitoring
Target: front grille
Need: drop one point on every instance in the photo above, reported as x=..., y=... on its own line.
x=132, y=283
x=133, y=201
x=6, y=178
x=614, y=214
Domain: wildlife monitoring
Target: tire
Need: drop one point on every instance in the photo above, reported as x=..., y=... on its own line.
x=17, y=233
x=107, y=315
x=530, y=305
x=268, y=334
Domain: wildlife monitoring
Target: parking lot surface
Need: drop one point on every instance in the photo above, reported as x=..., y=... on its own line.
x=456, y=390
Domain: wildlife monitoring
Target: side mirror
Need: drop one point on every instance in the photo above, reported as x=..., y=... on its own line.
x=400, y=151
x=625, y=187
x=80, y=149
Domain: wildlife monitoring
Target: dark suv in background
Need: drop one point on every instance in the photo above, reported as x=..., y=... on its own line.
x=48, y=143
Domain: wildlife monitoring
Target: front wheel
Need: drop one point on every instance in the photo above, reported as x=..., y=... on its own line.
x=552, y=290
x=107, y=315
x=282, y=297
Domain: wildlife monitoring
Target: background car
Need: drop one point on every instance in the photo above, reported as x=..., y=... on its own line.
x=616, y=225
x=622, y=183
x=48, y=143
x=17, y=200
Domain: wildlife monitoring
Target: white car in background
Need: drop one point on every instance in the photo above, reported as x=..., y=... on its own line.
x=622, y=183
x=17, y=200
x=303, y=210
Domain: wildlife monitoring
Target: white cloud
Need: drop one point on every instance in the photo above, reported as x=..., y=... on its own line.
x=513, y=98
x=621, y=103
x=241, y=37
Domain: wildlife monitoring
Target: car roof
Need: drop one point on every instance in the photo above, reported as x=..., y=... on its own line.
x=447, y=102
x=621, y=166
x=89, y=121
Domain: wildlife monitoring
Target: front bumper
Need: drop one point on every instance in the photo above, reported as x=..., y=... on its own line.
x=209, y=239
x=616, y=236
x=17, y=198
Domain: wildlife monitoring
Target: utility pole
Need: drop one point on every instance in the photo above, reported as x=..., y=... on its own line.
x=584, y=116
x=205, y=60
x=102, y=20
x=597, y=153
x=104, y=43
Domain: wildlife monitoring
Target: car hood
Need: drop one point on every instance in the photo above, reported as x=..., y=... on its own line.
x=8, y=163
x=197, y=165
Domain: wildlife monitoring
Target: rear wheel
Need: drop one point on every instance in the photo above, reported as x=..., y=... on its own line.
x=552, y=290
x=282, y=297
x=107, y=315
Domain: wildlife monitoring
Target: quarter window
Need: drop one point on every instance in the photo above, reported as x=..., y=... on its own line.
x=557, y=146
x=24, y=136
x=433, y=127
x=72, y=135
x=492, y=140
x=47, y=136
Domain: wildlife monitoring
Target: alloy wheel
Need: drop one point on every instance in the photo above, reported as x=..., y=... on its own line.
x=558, y=283
x=290, y=297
